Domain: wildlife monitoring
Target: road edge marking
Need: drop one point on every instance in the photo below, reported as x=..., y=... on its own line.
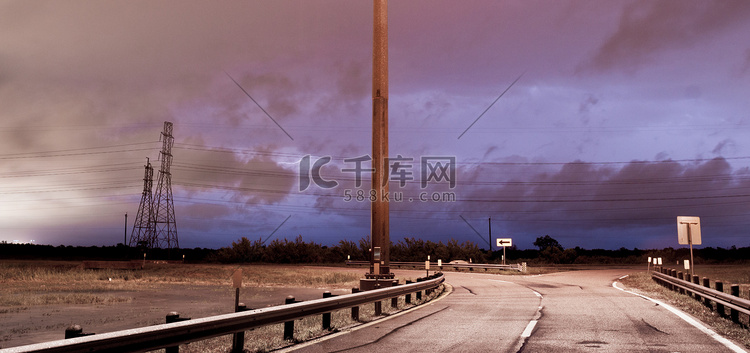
x=687, y=318
x=448, y=290
x=529, y=329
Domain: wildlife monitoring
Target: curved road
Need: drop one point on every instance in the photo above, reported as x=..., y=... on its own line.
x=563, y=312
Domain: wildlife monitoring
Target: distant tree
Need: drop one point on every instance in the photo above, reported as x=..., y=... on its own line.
x=244, y=250
x=364, y=247
x=349, y=248
x=546, y=242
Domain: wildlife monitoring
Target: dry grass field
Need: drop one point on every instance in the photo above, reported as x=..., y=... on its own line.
x=38, y=282
x=39, y=299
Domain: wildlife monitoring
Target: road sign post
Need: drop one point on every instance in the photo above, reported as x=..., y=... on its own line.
x=504, y=242
x=689, y=232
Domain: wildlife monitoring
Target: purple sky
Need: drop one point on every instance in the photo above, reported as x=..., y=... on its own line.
x=628, y=114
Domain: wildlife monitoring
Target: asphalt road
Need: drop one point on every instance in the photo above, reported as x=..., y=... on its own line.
x=563, y=312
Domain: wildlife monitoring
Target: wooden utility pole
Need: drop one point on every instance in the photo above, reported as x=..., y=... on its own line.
x=379, y=221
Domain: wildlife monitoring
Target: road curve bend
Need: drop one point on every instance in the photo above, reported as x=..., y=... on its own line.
x=562, y=312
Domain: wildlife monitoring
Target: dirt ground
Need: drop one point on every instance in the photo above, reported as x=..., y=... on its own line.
x=146, y=306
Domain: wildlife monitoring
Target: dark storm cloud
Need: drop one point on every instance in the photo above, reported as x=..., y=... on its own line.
x=724, y=146
x=648, y=28
x=746, y=64
x=253, y=179
x=586, y=105
x=582, y=198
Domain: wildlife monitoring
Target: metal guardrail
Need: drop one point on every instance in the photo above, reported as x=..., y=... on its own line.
x=399, y=264
x=169, y=335
x=728, y=300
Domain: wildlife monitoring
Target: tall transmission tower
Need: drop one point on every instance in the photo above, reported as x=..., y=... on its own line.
x=164, y=224
x=143, y=229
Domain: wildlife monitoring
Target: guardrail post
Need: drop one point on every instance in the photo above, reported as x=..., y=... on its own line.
x=378, y=304
x=419, y=293
x=394, y=300
x=238, y=339
x=720, y=307
x=355, y=309
x=289, y=325
x=707, y=284
x=407, y=297
x=74, y=331
x=174, y=316
x=697, y=281
x=679, y=276
x=733, y=313
x=327, y=316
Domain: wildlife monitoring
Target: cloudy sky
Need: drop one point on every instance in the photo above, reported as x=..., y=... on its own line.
x=626, y=115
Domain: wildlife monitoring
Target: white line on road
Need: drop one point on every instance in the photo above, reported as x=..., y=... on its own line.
x=448, y=291
x=691, y=321
x=529, y=328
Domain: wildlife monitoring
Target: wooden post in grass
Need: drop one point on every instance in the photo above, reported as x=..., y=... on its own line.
x=407, y=297
x=720, y=307
x=355, y=309
x=327, y=316
x=707, y=284
x=289, y=325
x=697, y=281
x=733, y=313
x=74, y=331
x=174, y=316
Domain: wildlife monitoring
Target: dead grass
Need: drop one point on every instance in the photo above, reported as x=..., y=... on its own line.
x=641, y=282
x=27, y=283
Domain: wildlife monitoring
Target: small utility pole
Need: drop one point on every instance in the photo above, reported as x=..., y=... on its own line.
x=125, y=237
x=489, y=220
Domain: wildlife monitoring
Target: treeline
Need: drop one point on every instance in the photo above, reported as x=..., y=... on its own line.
x=80, y=253
x=298, y=251
x=285, y=251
